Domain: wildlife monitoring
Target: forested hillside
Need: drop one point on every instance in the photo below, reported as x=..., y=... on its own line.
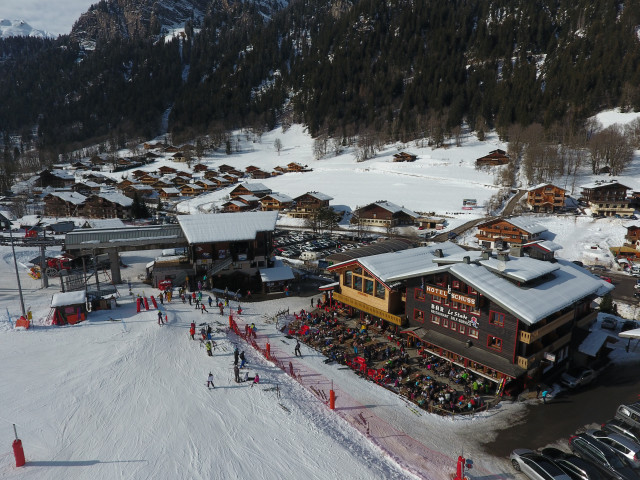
x=401, y=69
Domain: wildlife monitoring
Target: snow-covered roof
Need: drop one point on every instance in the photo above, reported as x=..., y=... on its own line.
x=319, y=195
x=635, y=333
x=540, y=185
x=222, y=227
x=402, y=264
x=70, y=197
x=547, y=245
x=69, y=298
x=105, y=223
x=593, y=342
x=249, y=198
x=255, y=187
x=169, y=190
x=526, y=224
x=7, y=214
x=393, y=208
x=569, y=284
x=602, y=183
x=522, y=269
x=61, y=174
x=276, y=274
x=280, y=197
x=115, y=197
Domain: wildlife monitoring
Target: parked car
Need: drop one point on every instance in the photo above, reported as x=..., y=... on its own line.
x=609, y=323
x=578, y=377
x=629, y=414
x=622, y=445
x=598, y=268
x=577, y=467
x=536, y=466
x=452, y=235
x=628, y=325
x=615, y=425
x=593, y=449
x=579, y=263
x=606, y=279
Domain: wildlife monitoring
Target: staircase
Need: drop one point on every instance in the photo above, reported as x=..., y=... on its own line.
x=219, y=266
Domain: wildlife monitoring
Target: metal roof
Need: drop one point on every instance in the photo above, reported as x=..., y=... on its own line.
x=384, y=246
x=90, y=238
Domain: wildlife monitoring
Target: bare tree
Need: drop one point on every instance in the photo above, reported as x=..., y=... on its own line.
x=609, y=147
x=277, y=144
x=320, y=147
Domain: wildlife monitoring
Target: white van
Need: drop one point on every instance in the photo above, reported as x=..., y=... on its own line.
x=309, y=255
x=635, y=270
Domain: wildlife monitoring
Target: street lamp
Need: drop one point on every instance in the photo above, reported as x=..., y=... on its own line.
x=15, y=264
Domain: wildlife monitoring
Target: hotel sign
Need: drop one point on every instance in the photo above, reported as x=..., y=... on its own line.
x=456, y=297
x=438, y=292
x=451, y=314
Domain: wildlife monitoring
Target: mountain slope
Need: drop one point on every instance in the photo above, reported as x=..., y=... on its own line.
x=19, y=28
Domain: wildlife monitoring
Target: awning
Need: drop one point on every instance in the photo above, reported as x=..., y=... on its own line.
x=329, y=286
x=69, y=298
x=635, y=333
x=593, y=342
x=276, y=274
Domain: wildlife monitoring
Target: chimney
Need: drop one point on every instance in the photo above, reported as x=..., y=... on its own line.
x=503, y=257
x=438, y=253
x=466, y=260
x=516, y=251
x=486, y=255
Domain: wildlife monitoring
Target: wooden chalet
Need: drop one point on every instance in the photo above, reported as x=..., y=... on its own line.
x=502, y=232
x=64, y=204
x=108, y=205
x=206, y=185
x=297, y=167
x=384, y=214
x=235, y=206
x=632, y=237
x=231, y=178
x=125, y=183
x=138, y=173
x=257, y=189
x=404, y=157
x=151, y=146
x=307, y=204
x=86, y=187
x=180, y=157
x=143, y=191
x=280, y=169
x=54, y=179
x=178, y=180
x=430, y=223
x=546, y=198
x=224, y=168
x=170, y=149
x=166, y=170
x=251, y=168
x=209, y=174
x=190, y=189
x=494, y=158
x=259, y=174
x=275, y=201
x=607, y=198
x=169, y=192
x=149, y=178
x=98, y=178
x=219, y=182
x=200, y=167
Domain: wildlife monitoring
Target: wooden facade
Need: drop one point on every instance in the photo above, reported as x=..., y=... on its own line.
x=607, y=198
x=54, y=179
x=383, y=214
x=404, y=157
x=258, y=190
x=632, y=238
x=546, y=198
x=273, y=202
x=494, y=158
x=97, y=206
x=59, y=206
x=309, y=203
x=505, y=232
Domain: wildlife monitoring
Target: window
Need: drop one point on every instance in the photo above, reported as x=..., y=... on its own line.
x=471, y=291
x=436, y=299
x=445, y=322
x=440, y=280
x=461, y=329
x=357, y=283
x=419, y=294
x=473, y=332
x=494, y=343
x=368, y=286
x=455, y=285
x=435, y=319
x=496, y=318
x=380, y=290
x=347, y=279
x=358, y=270
x=453, y=326
x=418, y=316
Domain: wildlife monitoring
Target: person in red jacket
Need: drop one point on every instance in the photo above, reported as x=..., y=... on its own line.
x=192, y=331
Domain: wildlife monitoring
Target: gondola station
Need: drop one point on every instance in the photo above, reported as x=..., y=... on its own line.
x=503, y=316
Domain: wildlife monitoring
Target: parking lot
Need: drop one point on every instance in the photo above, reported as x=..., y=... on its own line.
x=290, y=244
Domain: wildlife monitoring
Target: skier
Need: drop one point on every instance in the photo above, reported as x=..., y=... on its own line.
x=209, y=331
x=203, y=309
x=210, y=381
x=203, y=333
x=166, y=318
x=297, y=349
x=208, y=347
x=192, y=331
x=235, y=355
x=221, y=309
x=161, y=299
x=243, y=359
x=256, y=380
x=210, y=301
x=239, y=310
x=189, y=299
x=160, y=322
x=253, y=330
x=236, y=373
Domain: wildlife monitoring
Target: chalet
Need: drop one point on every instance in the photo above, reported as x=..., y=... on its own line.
x=98, y=178
x=125, y=183
x=169, y=192
x=502, y=232
x=225, y=168
x=259, y=174
x=430, y=223
x=297, y=167
x=54, y=179
x=86, y=187
x=228, y=243
x=170, y=149
x=149, y=178
x=280, y=170
x=165, y=170
x=190, y=189
x=251, y=168
x=275, y=201
x=143, y=191
x=209, y=174
x=607, y=198
x=138, y=173
x=501, y=317
x=199, y=167
x=150, y=157
x=64, y=204
x=384, y=214
x=6, y=218
x=494, y=158
x=546, y=198
x=180, y=157
x=308, y=203
x=177, y=180
x=404, y=157
x=206, y=185
x=540, y=249
x=231, y=178
x=235, y=206
x=108, y=205
x=257, y=189
x=219, y=182
x=632, y=238
x=151, y=146
x=97, y=162
x=161, y=183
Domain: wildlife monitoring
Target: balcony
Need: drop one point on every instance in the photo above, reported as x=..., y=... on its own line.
x=530, y=337
x=365, y=307
x=532, y=361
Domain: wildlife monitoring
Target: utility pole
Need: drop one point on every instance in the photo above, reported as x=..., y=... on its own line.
x=15, y=264
x=43, y=267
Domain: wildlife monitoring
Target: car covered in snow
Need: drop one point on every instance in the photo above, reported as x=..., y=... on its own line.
x=609, y=323
x=578, y=377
